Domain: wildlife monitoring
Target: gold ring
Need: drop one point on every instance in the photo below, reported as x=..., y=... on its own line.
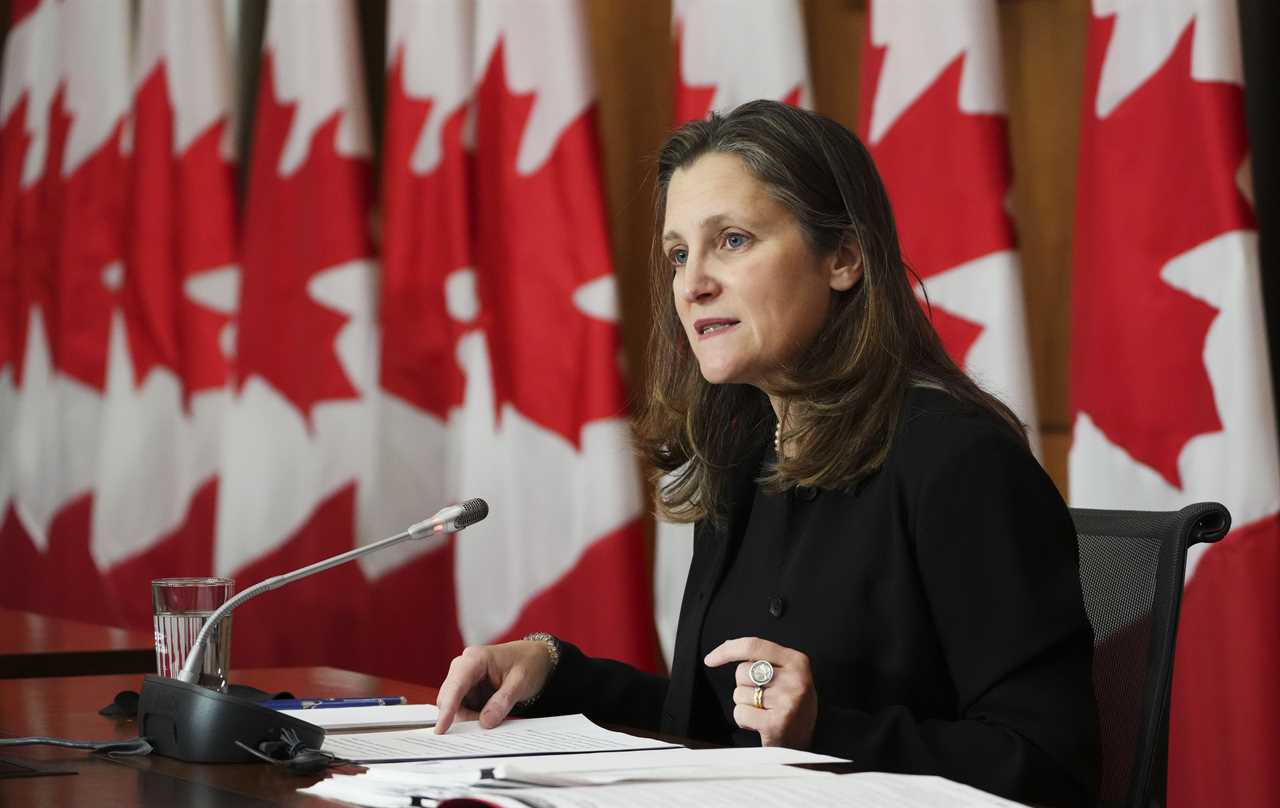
x=758, y=698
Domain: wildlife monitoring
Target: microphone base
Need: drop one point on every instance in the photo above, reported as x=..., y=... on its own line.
x=198, y=725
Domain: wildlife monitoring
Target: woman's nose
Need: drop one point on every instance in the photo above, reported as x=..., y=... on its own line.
x=699, y=285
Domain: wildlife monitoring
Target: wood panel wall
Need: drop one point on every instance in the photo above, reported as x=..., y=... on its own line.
x=1043, y=49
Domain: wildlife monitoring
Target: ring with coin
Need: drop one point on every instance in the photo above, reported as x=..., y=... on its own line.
x=757, y=700
x=761, y=672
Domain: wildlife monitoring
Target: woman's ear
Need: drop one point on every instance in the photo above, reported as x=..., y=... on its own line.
x=846, y=267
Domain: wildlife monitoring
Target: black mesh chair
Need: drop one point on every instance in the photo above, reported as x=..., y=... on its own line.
x=1131, y=571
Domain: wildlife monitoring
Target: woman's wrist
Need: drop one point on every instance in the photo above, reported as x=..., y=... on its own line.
x=552, y=647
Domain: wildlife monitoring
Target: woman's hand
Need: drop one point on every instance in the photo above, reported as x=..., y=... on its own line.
x=490, y=680
x=790, y=700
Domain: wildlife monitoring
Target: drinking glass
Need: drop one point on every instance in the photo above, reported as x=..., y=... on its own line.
x=179, y=609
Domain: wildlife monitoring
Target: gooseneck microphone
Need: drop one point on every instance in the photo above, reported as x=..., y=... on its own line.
x=446, y=520
x=188, y=722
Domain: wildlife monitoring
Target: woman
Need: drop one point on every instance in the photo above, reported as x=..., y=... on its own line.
x=869, y=521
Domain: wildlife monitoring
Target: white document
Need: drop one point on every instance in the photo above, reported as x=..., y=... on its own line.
x=675, y=763
x=390, y=715
x=403, y=788
x=870, y=789
x=605, y=777
x=531, y=736
x=360, y=789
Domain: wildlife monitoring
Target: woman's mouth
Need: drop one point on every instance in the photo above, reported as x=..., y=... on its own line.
x=710, y=326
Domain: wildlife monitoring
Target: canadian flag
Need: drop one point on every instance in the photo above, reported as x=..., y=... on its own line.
x=63, y=164
x=155, y=487
x=499, y=310
x=296, y=444
x=1170, y=379
x=137, y=360
x=725, y=54
x=932, y=112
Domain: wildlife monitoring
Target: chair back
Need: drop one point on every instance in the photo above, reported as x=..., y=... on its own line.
x=1131, y=573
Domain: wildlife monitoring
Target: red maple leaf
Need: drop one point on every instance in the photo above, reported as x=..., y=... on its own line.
x=538, y=238
x=426, y=227
x=1157, y=178
x=91, y=235
x=14, y=143
x=947, y=192
x=957, y=333
x=63, y=232
x=692, y=101
x=182, y=222
x=295, y=228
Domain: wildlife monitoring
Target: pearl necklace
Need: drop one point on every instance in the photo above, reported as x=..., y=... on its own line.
x=777, y=440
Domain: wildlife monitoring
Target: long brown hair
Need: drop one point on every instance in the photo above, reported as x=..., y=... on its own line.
x=847, y=392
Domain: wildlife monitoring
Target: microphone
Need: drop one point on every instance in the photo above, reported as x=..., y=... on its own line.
x=192, y=723
x=450, y=519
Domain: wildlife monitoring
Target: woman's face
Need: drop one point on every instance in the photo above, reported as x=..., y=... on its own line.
x=750, y=292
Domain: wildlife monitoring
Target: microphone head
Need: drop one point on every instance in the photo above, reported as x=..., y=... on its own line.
x=473, y=510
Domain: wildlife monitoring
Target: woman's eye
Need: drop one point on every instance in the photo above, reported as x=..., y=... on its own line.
x=735, y=240
x=679, y=257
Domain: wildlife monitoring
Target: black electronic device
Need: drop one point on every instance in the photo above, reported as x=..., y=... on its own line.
x=193, y=723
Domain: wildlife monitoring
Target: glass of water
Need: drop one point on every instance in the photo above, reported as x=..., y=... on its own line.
x=179, y=609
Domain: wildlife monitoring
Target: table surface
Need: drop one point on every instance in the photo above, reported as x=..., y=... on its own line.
x=67, y=707
x=39, y=645
x=27, y=633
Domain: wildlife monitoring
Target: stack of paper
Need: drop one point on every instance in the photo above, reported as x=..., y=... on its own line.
x=466, y=739
x=486, y=778
x=604, y=768
x=867, y=789
x=568, y=762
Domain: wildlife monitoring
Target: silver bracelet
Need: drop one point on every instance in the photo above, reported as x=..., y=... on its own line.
x=553, y=652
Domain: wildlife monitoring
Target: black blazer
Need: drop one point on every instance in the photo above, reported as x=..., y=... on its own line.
x=939, y=604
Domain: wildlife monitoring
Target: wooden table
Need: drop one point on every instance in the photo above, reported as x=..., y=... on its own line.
x=67, y=707
x=38, y=645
